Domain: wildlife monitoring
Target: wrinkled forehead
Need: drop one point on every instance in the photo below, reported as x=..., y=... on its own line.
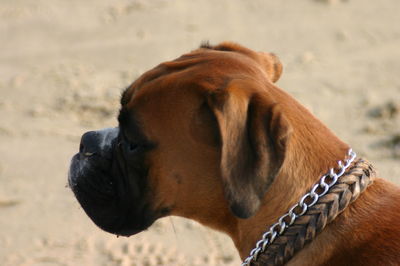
x=207, y=68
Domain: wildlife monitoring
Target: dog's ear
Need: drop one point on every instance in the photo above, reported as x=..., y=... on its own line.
x=254, y=134
x=276, y=68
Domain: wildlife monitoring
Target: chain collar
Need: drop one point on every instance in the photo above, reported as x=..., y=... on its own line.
x=300, y=208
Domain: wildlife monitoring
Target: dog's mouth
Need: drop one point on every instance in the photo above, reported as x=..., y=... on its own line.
x=111, y=194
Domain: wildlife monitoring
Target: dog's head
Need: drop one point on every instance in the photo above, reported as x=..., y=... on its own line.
x=201, y=136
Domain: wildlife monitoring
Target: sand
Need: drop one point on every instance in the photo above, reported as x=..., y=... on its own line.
x=63, y=65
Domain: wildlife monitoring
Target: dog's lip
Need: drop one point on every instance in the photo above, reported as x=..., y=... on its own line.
x=76, y=163
x=82, y=163
x=72, y=171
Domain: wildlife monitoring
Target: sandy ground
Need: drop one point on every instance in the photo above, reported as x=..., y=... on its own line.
x=63, y=65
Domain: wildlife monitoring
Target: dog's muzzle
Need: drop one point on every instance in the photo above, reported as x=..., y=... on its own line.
x=110, y=192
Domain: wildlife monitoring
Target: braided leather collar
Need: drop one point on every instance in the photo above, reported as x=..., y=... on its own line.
x=315, y=210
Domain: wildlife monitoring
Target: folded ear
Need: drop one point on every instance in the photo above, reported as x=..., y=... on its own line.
x=254, y=134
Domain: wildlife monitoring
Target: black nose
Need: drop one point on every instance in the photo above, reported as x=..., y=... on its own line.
x=98, y=142
x=89, y=143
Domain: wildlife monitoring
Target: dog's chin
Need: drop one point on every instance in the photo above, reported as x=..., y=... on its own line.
x=106, y=199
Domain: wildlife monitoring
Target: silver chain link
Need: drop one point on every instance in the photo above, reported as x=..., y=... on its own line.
x=300, y=208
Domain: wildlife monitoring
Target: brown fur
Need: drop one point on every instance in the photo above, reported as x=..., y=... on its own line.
x=232, y=145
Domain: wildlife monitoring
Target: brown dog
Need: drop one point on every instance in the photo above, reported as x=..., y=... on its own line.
x=209, y=137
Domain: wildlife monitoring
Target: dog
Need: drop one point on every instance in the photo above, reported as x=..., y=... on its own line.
x=210, y=137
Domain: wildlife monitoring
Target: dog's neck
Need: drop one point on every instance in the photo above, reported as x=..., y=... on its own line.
x=313, y=150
